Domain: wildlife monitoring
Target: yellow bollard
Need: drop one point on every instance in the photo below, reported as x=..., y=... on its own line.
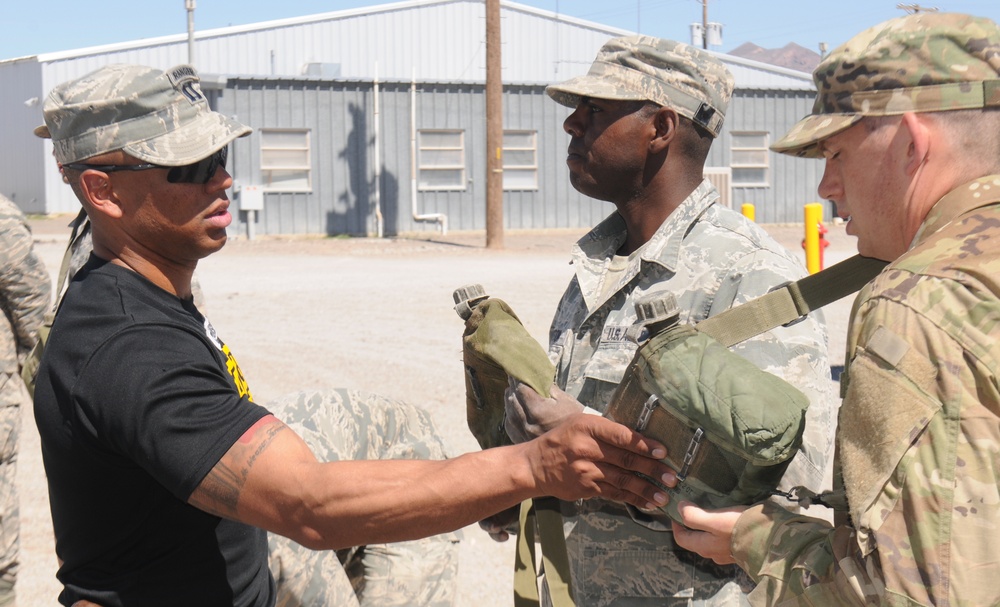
x=749, y=211
x=814, y=223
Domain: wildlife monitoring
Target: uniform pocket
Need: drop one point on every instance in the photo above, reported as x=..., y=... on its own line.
x=885, y=411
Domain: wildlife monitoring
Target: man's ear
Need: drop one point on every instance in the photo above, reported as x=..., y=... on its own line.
x=96, y=187
x=919, y=142
x=666, y=122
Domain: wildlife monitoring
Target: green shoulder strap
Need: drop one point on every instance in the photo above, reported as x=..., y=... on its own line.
x=31, y=362
x=782, y=306
x=791, y=302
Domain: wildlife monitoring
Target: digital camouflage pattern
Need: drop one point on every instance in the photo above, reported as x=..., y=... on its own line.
x=668, y=73
x=924, y=62
x=155, y=116
x=351, y=425
x=711, y=258
x=25, y=296
x=919, y=436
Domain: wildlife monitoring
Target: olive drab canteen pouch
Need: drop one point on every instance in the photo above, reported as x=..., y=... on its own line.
x=730, y=428
x=496, y=347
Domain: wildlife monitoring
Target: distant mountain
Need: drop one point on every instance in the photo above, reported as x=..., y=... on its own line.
x=791, y=56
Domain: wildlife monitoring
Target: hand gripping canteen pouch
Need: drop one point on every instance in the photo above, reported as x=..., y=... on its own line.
x=730, y=428
x=496, y=347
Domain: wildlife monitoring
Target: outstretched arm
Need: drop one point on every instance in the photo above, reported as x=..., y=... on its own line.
x=270, y=479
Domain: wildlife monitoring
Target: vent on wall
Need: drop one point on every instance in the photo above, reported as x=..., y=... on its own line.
x=323, y=70
x=722, y=179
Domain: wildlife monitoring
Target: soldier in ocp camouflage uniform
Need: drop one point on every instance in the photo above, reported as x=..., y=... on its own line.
x=644, y=118
x=351, y=425
x=908, y=120
x=25, y=296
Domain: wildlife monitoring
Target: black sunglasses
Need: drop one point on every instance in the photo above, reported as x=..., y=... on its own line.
x=200, y=172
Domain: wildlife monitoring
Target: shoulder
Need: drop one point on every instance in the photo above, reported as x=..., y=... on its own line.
x=725, y=234
x=744, y=260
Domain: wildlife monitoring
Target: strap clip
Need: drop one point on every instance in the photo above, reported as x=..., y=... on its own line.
x=692, y=451
x=647, y=411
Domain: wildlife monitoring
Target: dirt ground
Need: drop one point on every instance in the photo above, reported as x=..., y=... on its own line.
x=371, y=314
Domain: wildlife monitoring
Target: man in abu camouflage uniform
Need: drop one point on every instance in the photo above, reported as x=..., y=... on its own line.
x=644, y=118
x=25, y=296
x=340, y=425
x=908, y=120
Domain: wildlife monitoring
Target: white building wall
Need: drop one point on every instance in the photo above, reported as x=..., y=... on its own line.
x=429, y=40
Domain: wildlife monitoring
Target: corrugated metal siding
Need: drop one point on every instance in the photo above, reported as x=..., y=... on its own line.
x=339, y=202
x=21, y=153
x=340, y=118
x=792, y=181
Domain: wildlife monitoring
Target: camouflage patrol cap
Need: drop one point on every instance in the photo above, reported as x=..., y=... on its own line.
x=155, y=116
x=673, y=74
x=925, y=62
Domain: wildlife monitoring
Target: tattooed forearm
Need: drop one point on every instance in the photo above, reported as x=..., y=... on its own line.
x=269, y=434
x=219, y=493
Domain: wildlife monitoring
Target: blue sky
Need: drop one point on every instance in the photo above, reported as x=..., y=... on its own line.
x=41, y=26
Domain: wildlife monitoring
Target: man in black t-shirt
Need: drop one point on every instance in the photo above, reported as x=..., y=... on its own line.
x=163, y=473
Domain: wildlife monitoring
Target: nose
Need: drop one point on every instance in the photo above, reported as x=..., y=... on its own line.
x=573, y=123
x=221, y=180
x=830, y=187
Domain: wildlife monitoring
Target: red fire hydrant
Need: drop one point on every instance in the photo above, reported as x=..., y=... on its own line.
x=814, y=242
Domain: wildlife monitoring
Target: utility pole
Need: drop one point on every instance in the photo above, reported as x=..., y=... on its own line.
x=494, y=128
x=704, y=24
x=189, y=5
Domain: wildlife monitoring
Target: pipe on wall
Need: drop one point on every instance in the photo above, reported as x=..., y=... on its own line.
x=439, y=218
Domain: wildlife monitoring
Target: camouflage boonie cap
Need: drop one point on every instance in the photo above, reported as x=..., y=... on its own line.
x=155, y=116
x=925, y=62
x=673, y=74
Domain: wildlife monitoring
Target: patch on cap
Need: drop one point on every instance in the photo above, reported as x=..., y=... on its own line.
x=673, y=74
x=158, y=117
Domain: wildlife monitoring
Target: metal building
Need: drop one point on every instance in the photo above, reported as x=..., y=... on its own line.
x=372, y=121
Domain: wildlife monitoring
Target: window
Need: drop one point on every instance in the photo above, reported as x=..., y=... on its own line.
x=285, y=160
x=441, y=160
x=749, y=159
x=520, y=167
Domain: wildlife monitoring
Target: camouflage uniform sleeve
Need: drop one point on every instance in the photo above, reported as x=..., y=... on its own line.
x=920, y=462
x=25, y=286
x=791, y=555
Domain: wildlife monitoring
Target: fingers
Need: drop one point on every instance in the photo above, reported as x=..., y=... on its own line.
x=627, y=487
x=709, y=533
x=617, y=435
x=501, y=524
x=496, y=532
x=529, y=415
x=589, y=456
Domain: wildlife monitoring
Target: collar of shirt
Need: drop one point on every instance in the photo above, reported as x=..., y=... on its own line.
x=956, y=203
x=592, y=253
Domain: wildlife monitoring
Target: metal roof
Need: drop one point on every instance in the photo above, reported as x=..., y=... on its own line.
x=426, y=40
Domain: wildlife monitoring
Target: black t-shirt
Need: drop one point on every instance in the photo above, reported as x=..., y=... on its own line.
x=137, y=399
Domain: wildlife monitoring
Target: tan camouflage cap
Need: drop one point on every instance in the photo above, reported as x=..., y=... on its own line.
x=925, y=62
x=156, y=116
x=669, y=73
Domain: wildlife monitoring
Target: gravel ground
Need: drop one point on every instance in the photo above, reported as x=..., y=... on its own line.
x=371, y=314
